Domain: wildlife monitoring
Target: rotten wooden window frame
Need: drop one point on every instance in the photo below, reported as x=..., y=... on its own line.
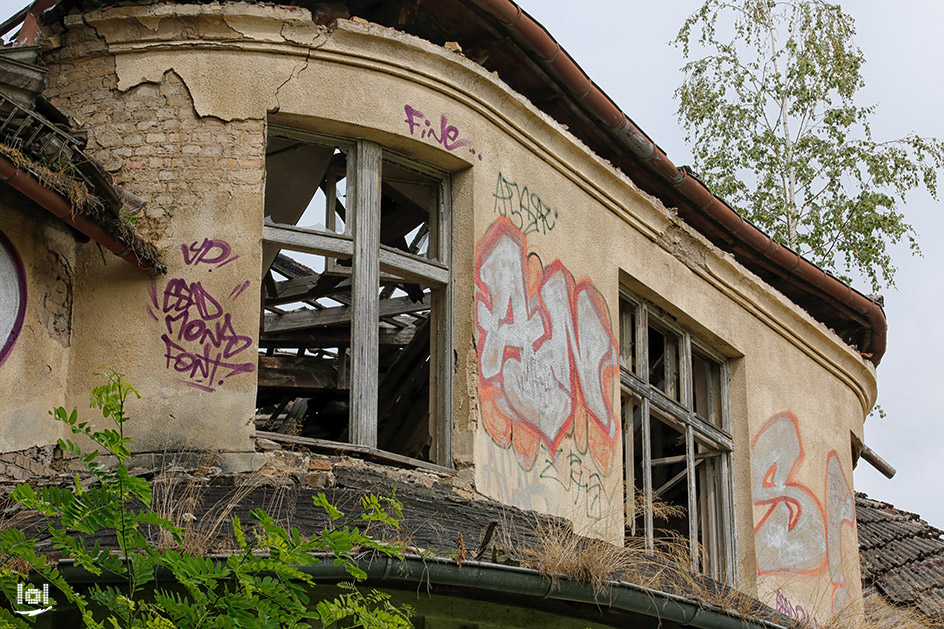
x=360, y=243
x=674, y=404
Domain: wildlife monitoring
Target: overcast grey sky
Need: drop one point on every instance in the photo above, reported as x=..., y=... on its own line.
x=624, y=47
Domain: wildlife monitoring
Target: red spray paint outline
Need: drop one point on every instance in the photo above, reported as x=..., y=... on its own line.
x=845, y=521
x=491, y=388
x=21, y=287
x=789, y=482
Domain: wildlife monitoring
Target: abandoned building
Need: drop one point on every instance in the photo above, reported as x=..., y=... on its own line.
x=414, y=235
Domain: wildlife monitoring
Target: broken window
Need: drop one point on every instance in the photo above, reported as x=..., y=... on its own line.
x=355, y=339
x=677, y=442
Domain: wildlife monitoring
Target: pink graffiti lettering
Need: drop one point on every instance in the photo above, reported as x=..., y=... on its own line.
x=200, y=341
x=201, y=367
x=212, y=252
x=239, y=289
x=448, y=135
x=796, y=612
x=790, y=536
x=547, y=354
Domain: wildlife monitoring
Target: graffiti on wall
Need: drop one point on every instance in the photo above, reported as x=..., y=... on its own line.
x=524, y=208
x=444, y=134
x=790, y=537
x=586, y=496
x=840, y=511
x=214, y=253
x=797, y=535
x=200, y=342
x=547, y=356
x=12, y=297
x=582, y=483
x=797, y=612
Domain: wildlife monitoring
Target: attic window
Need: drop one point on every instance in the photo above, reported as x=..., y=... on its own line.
x=357, y=291
x=677, y=442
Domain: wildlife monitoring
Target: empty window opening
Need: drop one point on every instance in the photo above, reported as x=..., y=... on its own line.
x=355, y=322
x=676, y=441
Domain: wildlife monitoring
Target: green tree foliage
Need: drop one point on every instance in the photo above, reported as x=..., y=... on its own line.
x=771, y=112
x=260, y=584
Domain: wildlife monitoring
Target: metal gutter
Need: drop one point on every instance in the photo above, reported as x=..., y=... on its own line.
x=531, y=35
x=503, y=579
x=59, y=207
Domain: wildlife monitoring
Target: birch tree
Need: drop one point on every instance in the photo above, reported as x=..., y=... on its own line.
x=771, y=113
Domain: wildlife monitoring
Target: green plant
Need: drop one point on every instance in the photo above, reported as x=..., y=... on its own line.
x=374, y=611
x=261, y=583
x=769, y=105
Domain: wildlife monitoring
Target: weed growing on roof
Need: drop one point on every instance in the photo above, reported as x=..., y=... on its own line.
x=557, y=552
x=60, y=176
x=261, y=582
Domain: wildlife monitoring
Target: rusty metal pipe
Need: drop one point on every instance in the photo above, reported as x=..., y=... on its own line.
x=873, y=459
x=531, y=35
x=59, y=207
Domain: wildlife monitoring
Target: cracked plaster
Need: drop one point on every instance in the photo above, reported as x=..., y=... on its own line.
x=213, y=66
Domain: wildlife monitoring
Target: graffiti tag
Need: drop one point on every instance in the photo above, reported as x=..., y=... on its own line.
x=523, y=208
x=447, y=135
x=784, y=606
x=790, y=537
x=212, y=252
x=584, y=485
x=199, y=339
x=840, y=511
x=12, y=296
x=796, y=535
x=547, y=355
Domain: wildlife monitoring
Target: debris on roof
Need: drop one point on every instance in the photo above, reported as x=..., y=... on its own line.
x=40, y=153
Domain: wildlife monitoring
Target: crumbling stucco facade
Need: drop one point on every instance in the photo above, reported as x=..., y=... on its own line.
x=547, y=242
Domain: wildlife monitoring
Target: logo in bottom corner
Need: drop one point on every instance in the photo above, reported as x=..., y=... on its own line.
x=32, y=596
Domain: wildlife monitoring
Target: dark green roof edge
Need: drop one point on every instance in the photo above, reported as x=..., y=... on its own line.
x=491, y=577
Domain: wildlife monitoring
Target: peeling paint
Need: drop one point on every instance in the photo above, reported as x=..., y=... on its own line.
x=56, y=306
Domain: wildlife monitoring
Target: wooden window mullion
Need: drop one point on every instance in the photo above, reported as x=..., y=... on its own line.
x=365, y=333
x=647, y=473
x=692, y=498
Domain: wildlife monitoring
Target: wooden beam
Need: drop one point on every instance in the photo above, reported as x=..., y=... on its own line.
x=413, y=267
x=335, y=337
x=307, y=240
x=307, y=288
x=366, y=281
x=302, y=373
x=307, y=319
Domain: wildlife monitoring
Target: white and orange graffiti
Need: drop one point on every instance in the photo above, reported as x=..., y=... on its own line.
x=547, y=355
x=796, y=535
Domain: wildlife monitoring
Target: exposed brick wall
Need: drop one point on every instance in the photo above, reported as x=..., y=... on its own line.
x=41, y=462
x=149, y=137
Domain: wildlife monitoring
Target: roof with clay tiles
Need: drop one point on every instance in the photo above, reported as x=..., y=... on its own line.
x=902, y=556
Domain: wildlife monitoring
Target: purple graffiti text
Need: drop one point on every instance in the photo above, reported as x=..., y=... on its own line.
x=447, y=135
x=215, y=253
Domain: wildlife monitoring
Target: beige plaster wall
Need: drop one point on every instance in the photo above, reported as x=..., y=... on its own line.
x=541, y=434
x=35, y=371
x=186, y=340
